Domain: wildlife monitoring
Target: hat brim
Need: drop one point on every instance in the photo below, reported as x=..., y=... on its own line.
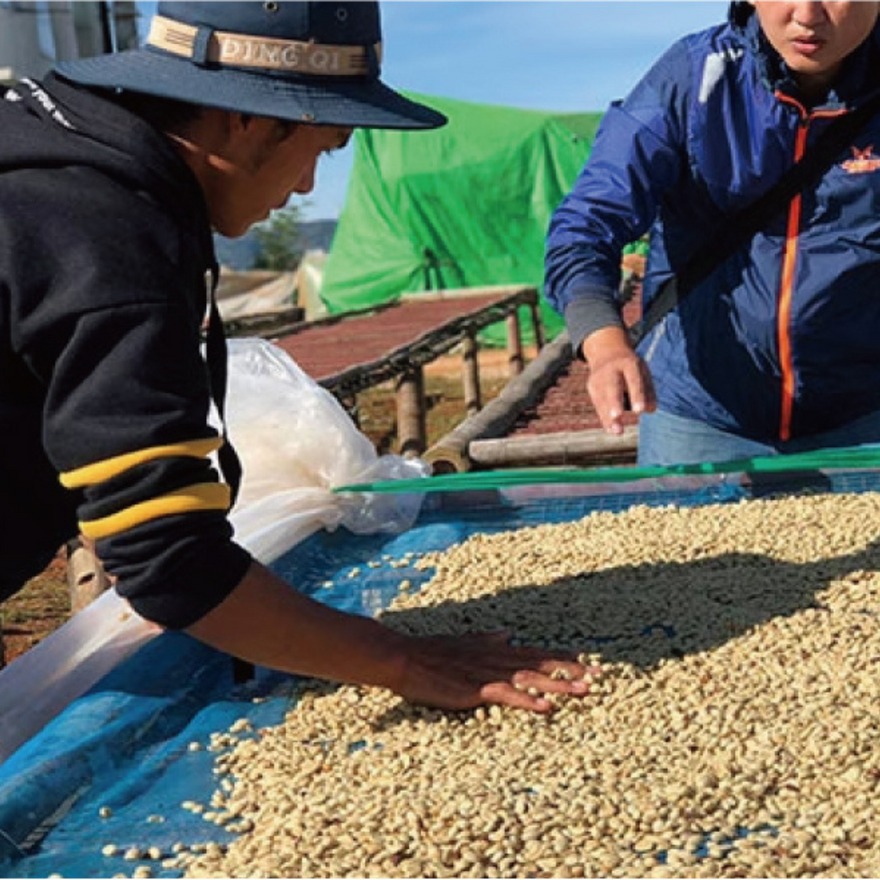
x=349, y=103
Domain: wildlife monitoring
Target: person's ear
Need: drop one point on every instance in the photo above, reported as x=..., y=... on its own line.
x=238, y=122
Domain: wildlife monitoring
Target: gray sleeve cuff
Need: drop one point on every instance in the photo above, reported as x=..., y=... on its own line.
x=587, y=314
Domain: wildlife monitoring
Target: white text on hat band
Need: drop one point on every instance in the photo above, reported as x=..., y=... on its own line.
x=244, y=50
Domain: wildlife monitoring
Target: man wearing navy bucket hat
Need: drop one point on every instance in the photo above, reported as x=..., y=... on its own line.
x=113, y=172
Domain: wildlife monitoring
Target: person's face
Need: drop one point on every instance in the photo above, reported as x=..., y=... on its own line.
x=813, y=38
x=264, y=162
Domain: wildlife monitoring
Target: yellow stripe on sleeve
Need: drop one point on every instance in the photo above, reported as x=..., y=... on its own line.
x=91, y=474
x=202, y=496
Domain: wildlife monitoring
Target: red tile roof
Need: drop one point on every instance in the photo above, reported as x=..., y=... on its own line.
x=326, y=349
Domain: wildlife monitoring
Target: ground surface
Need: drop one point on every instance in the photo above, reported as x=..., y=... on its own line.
x=43, y=605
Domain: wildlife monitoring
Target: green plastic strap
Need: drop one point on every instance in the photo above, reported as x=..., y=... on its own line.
x=826, y=459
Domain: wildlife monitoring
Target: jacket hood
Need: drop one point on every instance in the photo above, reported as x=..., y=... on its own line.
x=55, y=124
x=739, y=13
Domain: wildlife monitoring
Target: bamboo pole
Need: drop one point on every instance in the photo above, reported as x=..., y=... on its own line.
x=514, y=344
x=470, y=374
x=503, y=290
x=86, y=578
x=450, y=453
x=577, y=448
x=537, y=325
x=350, y=404
x=411, y=431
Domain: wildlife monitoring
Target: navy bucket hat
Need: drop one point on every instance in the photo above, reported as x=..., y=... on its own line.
x=316, y=62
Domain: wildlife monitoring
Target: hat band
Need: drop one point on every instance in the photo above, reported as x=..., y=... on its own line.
x=246, y=50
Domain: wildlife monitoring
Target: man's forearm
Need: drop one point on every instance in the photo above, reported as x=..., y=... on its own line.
x=268, y=622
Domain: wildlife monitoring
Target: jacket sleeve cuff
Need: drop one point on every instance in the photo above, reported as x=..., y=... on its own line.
x=183, y=582
x=586, y=314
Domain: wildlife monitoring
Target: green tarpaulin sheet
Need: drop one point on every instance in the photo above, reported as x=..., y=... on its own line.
x=465, y=205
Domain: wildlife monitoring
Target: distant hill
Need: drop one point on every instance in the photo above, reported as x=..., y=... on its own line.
x=236, y=253
x=241, y=253
x=317, y=235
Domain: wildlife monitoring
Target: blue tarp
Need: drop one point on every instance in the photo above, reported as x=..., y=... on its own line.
x=125, y=745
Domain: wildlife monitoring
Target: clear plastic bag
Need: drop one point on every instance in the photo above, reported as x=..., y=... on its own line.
x=296, y=442
x=43, y=681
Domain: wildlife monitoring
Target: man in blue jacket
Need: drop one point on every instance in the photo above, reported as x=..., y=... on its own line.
x=779, y=349
x=113, y=172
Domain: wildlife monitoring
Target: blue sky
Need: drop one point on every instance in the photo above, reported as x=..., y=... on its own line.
x=562, y=55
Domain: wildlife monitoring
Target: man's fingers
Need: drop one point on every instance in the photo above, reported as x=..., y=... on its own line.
x=529, y=690
x=608, y=393
x=640, y=387
x=534, y=673
x=504, y=694
x=620, y=384
x=527, y=679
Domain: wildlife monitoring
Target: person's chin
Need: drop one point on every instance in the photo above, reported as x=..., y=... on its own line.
x=236, y=230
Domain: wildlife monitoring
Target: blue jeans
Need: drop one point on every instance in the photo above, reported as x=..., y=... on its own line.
x=665, y=439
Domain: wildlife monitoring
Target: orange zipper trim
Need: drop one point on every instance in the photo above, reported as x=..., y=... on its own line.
x=786, y=284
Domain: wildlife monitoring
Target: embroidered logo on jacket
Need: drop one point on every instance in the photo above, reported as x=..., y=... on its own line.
x=862, y=162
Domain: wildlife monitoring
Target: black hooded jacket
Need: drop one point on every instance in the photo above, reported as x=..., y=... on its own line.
x=104, y=396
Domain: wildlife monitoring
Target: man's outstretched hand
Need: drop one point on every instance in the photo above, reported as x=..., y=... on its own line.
x=461, y=672
x=267, y=622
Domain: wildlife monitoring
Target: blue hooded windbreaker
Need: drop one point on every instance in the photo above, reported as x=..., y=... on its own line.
x=783, y=339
